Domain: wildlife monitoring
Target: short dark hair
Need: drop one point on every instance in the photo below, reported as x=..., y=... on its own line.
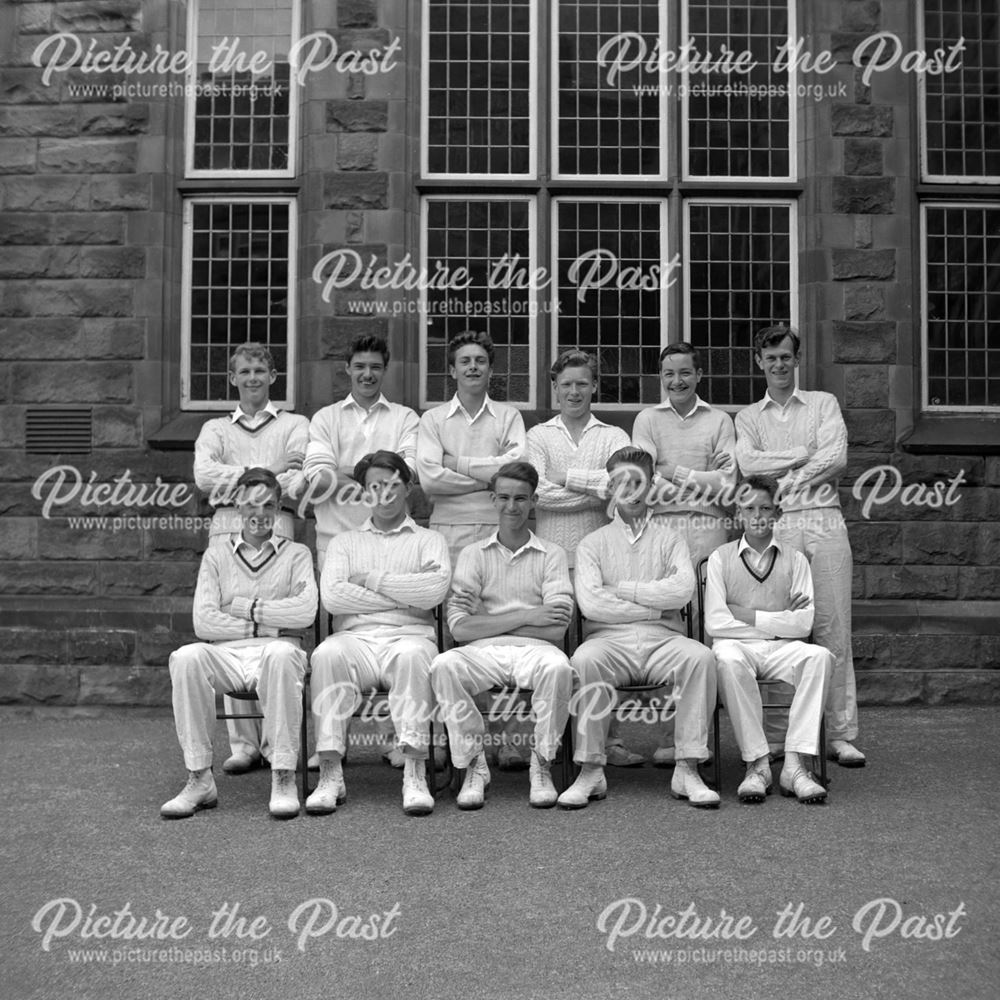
x=361, y=345
x=773, y=335
x=573, y=358
x=630, y=455
x=383, y=459
x=681, y=347
x=767, y=484
x=466, y=337
x=252, y=350
x=253, y=477
x=523, y=471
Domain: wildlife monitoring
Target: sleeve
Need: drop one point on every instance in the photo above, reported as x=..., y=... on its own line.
x=598, y=602
x=753, y=460
x=423, y=588
x=435, y=479
x=212, y=473
x=791, y=624
x=551, y=496
x=322, y=445
x=829, y=459
x=296, y=610
x=719, y=621
x=340, y=596
x=642, y=434
x=468, y=579
x=672, y=591
x=595, y=481
x=211, y=623
x=717, y=480
x=557, y=591
x=407, y=443
x=511, y=447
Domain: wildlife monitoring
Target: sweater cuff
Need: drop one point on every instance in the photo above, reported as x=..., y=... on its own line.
x=374, y=579
x=462, y=465
x=681, y=473
x=626, y=591
x=240, y=608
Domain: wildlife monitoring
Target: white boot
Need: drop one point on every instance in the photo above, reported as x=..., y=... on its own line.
x=417, y=799
x=589, y=786
x=284, y=802
x=477, y=779
x=543, y=792
x=331, y=791
x=198, y=793
x=687, y=784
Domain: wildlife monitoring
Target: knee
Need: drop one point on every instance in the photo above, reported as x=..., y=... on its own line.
x=283, y=657
x=186, y=660
x=586, y=664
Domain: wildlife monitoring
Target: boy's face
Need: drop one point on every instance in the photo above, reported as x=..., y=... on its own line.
x=258, y=506
x=758, y=512
x=680, y=379
x=253, y=380
x=574, y=391
x=471, y=369
x=778, y=363
x=387, y=492
x=366, y=370
x=513, y=500
x=630, y=486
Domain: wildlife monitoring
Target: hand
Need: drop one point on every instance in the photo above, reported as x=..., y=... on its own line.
x=295, y=459
x=449, y=462
x=799, y=602
x=358, y=579
x=467, y=604
x=667, y=470
x=299, y=588
x=546, y=616
x=723, y=461
x=745, y=615
x=557, y=478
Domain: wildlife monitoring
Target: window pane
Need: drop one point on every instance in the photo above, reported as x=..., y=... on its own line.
x=734, y=129
x=477, y=234
x=740, y=267
x=239, y=291
x=609, y=121
x=963, y=105
x=479, y=57
x=241, y=115
x=963, y=305
x=608, y=275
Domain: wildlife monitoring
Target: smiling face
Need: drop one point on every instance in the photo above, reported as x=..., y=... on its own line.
x=757, y=513
x=471, y=370
x=253, y=380
x=387, y=493
x=513, y=500
x=629, y=486
x=778, y=363
x=574, y=391
x=680, y=379
x=366, y=370
x=258, y=507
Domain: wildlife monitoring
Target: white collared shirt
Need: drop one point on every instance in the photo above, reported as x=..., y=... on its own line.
x=268, y=412
x=456, y=405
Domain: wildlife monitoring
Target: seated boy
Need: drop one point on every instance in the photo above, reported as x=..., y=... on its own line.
x=632, y=578
x=251, y=593
x=511, y=601
x=381, y=584
x=759, y=606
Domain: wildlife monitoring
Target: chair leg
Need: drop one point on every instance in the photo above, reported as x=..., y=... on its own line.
x=823, y=779
x=717, y=763
x=567, y=755
x=304, y=739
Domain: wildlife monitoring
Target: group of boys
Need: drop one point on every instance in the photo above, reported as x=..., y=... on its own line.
x=630, y=562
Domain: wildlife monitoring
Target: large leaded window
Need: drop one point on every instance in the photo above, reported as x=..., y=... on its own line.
x=239, y=245
x=960, y=223
x=568, y=216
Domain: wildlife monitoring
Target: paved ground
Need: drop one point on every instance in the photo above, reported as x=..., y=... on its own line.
x=509, y=902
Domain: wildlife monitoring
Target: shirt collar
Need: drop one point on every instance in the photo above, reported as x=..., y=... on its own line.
x=455, y=406
x=238, y=414
x=744, y=545
x=699, y=404
x=769, y=400
x=407, y=524
x=627, y=531
x=275, y=541
x=557, y=422
x=533, y=542
x=352, y=403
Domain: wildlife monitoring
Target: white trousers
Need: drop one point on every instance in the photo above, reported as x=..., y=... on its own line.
x=642, y=653
x=459, y=674
x=346, y=664
x=274, y=670
x=804, y=666
x=821, y=536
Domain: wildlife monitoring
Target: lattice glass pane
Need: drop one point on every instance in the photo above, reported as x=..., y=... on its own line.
x=620, y=321
x=740, y=268
x=734, y=128
x=243, y=102
x=609, y=122
x=478, y=77
x=239, y=290
x=963, y=105
x=963, y=305
x=476, y=234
